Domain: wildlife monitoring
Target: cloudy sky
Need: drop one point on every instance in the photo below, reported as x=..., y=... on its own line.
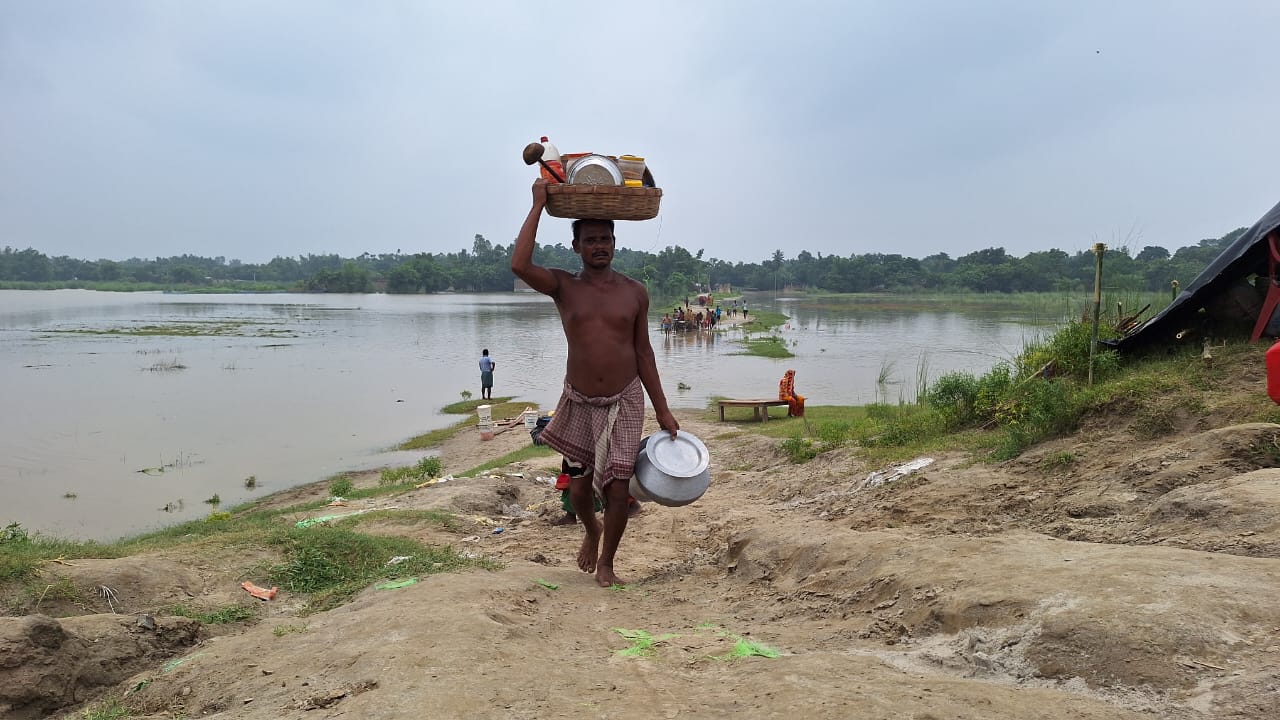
x=255, y=129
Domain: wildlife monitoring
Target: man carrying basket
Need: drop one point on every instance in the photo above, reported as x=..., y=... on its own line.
x=599, y=420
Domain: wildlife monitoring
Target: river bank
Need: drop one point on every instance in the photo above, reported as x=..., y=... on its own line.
x=1113, y=573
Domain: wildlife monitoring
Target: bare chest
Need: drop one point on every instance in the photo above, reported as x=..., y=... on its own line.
x=599, y=306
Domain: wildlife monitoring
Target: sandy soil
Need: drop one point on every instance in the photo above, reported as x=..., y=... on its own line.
x=1139, y=581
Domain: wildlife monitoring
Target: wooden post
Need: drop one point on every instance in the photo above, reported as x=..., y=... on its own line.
x=1098, y=250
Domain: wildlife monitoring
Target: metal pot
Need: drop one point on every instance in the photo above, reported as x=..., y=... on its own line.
x=671, y=472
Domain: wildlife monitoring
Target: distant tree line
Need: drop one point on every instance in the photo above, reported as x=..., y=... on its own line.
x=671, y=272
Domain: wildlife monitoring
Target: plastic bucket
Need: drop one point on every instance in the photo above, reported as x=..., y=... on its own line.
x=485, y=412
x=531, y=418
x=486, y=430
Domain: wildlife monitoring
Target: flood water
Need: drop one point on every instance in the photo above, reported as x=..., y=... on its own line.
x=108, y=434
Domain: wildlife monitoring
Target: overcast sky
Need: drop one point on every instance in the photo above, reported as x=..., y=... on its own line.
x=255, y=129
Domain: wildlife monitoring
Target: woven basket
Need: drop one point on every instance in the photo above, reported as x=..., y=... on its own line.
x=602, y=202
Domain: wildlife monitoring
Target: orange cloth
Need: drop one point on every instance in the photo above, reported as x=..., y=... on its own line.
x=787, y=386
x=787, y=391
x=259, y=592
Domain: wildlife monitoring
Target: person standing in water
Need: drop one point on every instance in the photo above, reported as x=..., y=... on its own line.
x=598, y=422
x=487, y=366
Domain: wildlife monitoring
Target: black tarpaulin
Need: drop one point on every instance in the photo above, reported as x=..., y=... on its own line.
x=1246, y=256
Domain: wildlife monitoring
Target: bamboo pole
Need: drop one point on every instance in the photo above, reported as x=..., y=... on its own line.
x=1098, y=250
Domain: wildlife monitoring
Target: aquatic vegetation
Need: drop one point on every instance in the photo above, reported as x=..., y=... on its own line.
x=169, y=365
x=770, y=347
x=191, y=328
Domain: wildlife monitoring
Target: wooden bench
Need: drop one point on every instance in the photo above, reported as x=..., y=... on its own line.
x=761, y=407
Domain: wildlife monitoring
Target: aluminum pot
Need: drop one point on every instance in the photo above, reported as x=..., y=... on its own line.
x=671, y=472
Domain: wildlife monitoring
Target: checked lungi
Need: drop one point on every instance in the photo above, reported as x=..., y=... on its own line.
x=602, y=433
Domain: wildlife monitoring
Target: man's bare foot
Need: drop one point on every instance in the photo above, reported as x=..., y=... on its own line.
x=606, y=578
x=633, y=509
x=566, y=519
x=589, y=551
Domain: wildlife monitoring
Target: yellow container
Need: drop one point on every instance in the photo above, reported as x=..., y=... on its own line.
x=633, y=183
x=632, y=167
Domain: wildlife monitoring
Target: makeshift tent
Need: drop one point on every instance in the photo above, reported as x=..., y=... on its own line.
x=1246, y=256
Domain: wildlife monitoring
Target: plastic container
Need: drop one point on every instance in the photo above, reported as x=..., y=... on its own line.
x=530, y=418
x=569, y=160
x=1273, y=373
x=632, y=167
x=551, y=156
x=485, y=413
x=486, y=430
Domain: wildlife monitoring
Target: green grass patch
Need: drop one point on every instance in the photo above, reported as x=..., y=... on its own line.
x=403, y=485
x=332, y=564
x=221, y=616
x=1057, y=460
x=743, y=648
x=502, y=408
x=529, y=452
x=33, y=591
x=770, y=347
x=785, y=426
x=282, y=630
x=425, y=469
x=763, y=321
x=435, y=437
x=228, y=529
x=468, y=406
x=23, y=553
x=641, y=642
x=109, y=709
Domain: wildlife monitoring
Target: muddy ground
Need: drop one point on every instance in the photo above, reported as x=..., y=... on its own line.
x=1104, y=575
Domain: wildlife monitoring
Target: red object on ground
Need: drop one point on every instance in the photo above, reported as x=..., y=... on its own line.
x=1273, y=373
x=259, y=592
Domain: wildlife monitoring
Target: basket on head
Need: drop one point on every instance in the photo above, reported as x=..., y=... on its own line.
x=603, y=202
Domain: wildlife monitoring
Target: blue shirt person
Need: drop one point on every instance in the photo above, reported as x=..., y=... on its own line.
x=487, y=366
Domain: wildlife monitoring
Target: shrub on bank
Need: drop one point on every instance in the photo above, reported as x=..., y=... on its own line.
x=1040, y=394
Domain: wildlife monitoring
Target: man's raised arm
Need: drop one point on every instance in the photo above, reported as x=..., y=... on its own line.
x=538, y=277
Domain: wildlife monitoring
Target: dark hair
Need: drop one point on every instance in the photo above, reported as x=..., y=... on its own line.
x=486, y=351
x=577, y=225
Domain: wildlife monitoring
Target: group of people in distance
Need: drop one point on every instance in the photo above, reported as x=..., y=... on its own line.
x=681, y=319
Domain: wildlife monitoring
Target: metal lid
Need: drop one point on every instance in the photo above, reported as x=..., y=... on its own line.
x=595, y=170
x=685, y=456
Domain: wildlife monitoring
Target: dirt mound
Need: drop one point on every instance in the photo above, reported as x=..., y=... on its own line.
x=46, y=664
x=1113, y=616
